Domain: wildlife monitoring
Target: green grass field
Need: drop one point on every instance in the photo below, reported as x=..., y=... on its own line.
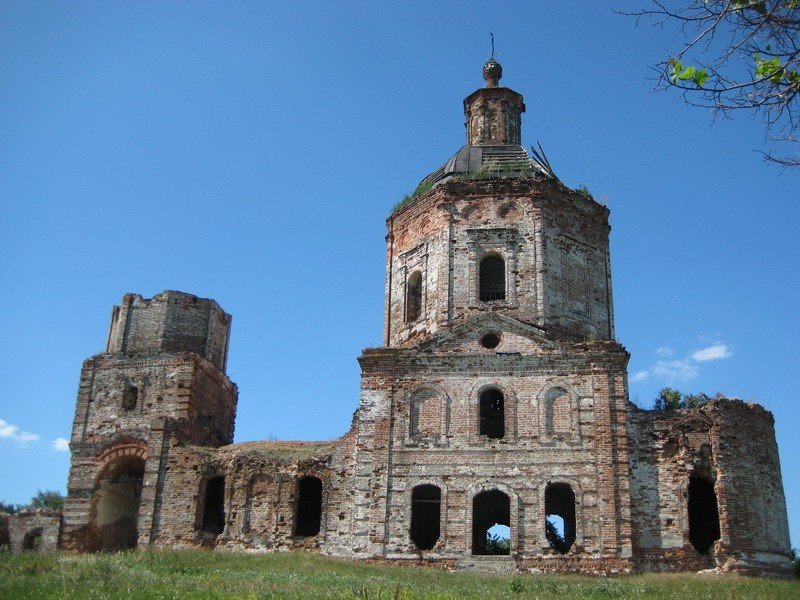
x=205, y=574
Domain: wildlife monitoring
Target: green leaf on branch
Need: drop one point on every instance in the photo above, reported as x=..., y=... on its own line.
x=770, y=69
x=700, y=77
x=697, y=76
x=759, y=6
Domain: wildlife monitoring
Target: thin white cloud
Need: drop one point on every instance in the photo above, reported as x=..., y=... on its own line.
x=13, y=432
x=61, y=444
x=714, y=352
x=675, y=371
x=685, y=369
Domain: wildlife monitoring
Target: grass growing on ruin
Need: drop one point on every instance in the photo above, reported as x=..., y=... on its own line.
x=223, y=575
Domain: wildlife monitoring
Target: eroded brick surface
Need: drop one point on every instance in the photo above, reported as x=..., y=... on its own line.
x=500, y=396
x=31, y=530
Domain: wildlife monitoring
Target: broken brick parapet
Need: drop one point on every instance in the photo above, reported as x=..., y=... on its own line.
x=33, y=530
x=729, y=443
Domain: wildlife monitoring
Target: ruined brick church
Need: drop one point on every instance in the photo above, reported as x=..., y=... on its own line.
x=500, y=397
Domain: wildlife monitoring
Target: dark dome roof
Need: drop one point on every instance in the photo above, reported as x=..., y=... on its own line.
x=481, y=162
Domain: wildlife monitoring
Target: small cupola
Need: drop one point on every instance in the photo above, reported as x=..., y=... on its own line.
x=494, y=113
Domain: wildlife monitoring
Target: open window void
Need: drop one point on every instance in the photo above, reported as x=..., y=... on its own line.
x=703, y=514
x=426, y=503
x=492, y=414
x=559, y=507
x=414, y=297
x=214, y=506
x=130, y=396
x=309, y=506
x=32, y=540
x=490, y=509
x=492, y=279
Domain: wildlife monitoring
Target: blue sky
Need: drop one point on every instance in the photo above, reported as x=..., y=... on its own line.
x=251, y=151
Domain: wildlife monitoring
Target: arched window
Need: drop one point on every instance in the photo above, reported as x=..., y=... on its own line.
x=492, y=279
x=309, y=507
x=703, y=514
x=32, y=540
x=214, y=506
x=414, y=297
x=426, y=414
x=426, y=503
x=559, y=508
x=130, y=397
x=492, y=414
x=258, y=508
x=489, y=509
x=557, y=412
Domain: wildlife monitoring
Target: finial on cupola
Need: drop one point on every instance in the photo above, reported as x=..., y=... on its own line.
x=492, y=71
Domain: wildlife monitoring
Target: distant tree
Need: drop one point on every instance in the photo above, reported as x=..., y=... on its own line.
x=671, y=399
x=8, y=508
x=555, y=538
x=668, y=399
x=496, y=544
x=50, y=499
x=737, y=55
x=796, y=561
x=695, y=400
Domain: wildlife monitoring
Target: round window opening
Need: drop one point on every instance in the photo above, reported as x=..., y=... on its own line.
x=490, y=340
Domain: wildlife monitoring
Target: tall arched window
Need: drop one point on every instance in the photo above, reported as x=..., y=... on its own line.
x=414, y=297
x=557, y=412
x=130, y=396
x=214, y=506
x=492, y=414
x=309, y=506
x=559, y=508
x=492, y=279
x=426, y=414
x=703, y=514
x=490, y=508
x=425, y=515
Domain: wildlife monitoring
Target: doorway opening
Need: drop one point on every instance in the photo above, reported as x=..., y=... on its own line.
x=490, y=509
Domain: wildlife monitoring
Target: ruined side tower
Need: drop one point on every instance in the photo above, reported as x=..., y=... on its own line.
x=161, y=382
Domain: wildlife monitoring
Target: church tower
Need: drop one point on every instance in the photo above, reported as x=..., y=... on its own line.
x=160, y=383
x=500, y=395
x=495, y=232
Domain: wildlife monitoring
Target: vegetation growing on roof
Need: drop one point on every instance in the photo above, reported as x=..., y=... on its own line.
x=481, y=173
x=423, y=188
x=523, y=167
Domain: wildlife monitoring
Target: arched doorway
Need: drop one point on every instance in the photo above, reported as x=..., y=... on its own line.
x=490, y=508
x=115, y=504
